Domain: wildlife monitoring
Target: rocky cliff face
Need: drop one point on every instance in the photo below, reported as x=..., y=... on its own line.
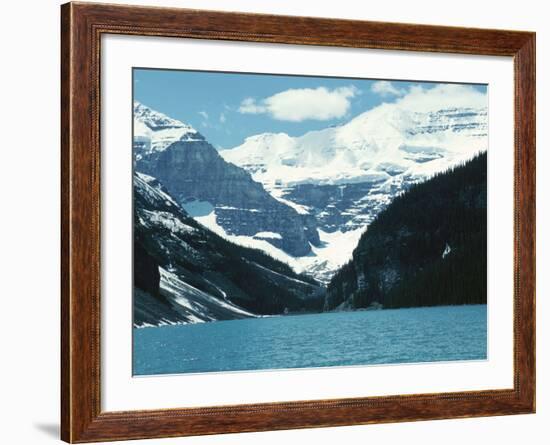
x=184, y=273
x=345, y=207
x=434, y=256
x=193, y=171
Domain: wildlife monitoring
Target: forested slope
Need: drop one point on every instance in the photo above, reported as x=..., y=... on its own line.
x=427, y=248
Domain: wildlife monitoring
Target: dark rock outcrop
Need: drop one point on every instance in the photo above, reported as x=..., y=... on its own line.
x=146, y=270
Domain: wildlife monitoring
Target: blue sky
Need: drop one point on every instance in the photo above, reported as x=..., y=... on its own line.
x=228, y=107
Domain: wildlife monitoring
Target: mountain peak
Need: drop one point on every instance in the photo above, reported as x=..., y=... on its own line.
x=155, y=131
x=156, y=120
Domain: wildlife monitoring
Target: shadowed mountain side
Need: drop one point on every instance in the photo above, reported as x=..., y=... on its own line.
x=427, y=248
x=185, y=273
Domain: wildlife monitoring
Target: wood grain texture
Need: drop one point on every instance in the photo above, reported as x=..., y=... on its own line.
x=82, y=26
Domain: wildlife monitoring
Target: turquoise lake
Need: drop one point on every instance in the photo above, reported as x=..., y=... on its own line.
x=314, y=340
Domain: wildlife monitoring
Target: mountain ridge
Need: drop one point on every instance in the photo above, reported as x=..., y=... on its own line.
x=352, y=152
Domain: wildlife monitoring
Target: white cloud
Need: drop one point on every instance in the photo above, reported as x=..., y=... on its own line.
x=297, y=105
x=249, y=106
x=386, y=88
x=441, y=96
x=204, y=114
x=222, y=118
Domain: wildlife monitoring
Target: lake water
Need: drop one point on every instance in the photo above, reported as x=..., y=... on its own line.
x=315, y=340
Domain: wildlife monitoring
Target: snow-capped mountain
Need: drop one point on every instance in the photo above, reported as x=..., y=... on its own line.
x=154, y=131
x=200, y=179
x=376, y=145
x=345, y=175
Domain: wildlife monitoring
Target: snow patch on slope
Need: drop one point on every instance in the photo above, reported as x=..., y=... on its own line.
x=268, y=235
x=193, y=302
x=335, y=249
x=151, y=190
x=277, y=193
x=166, y=220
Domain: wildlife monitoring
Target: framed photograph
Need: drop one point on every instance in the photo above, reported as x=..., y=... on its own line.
x=275, y=222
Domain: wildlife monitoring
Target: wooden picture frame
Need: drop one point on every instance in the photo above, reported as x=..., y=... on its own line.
x=82, y=26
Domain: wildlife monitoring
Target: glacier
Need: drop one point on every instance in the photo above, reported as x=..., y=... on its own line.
x=347, y=174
